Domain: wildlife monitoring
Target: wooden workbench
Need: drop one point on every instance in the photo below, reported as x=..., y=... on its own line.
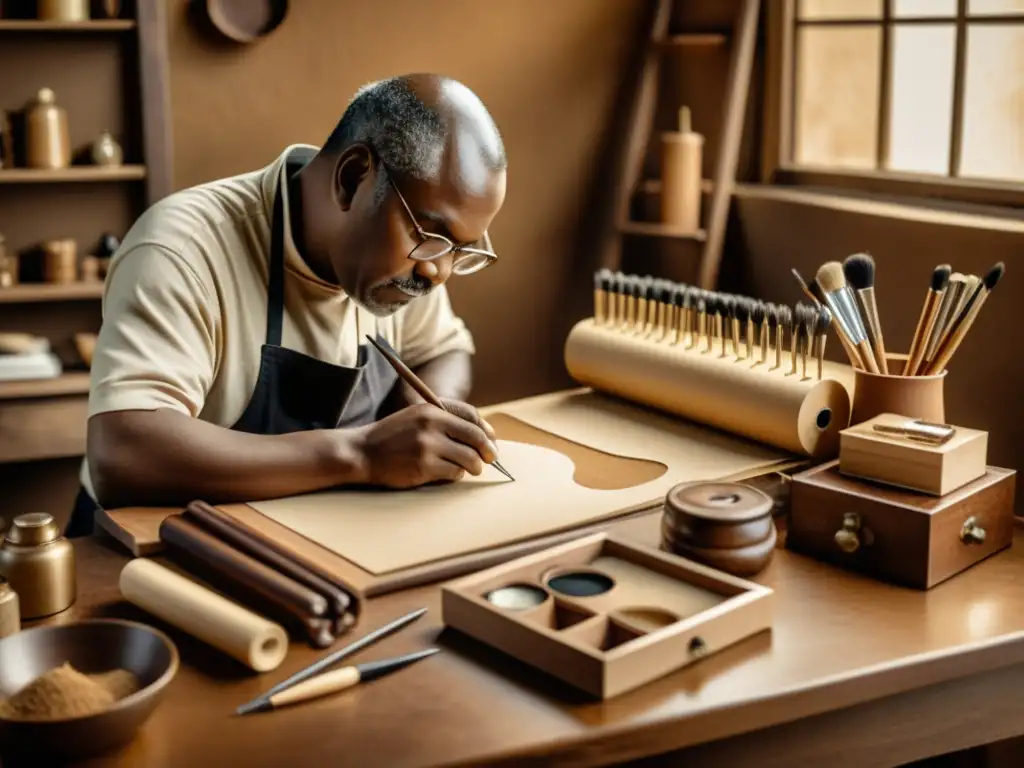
x=855, y=673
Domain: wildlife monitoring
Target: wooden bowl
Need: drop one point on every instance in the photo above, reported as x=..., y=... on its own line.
x=90, y=647
x=245, y=20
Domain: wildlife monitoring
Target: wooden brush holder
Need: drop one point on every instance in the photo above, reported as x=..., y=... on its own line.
x=794, y=411
x=916, y=397
x=896, y=535
x=603, y=615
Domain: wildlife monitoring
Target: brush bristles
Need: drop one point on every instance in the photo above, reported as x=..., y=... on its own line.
x=742, y=310
x=994, y=275
x=815, y=290
x=824, y=320
x=757, y=313
x=773, y=317
x=940, y=277
x=859, y=270
x=830, y=277
x=786, y=318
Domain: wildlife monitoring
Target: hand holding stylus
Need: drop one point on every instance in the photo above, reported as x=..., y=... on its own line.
x=465, y=413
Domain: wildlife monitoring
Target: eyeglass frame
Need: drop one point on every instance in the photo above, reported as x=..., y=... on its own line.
x=487, y=251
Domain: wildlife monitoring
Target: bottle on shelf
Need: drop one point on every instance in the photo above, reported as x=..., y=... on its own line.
x=63, y=10
x=46, y=133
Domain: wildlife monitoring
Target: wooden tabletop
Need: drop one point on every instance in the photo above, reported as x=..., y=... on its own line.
x=838, y=640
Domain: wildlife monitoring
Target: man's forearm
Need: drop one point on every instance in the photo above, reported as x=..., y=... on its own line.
x=449, y=376
x=163, y=458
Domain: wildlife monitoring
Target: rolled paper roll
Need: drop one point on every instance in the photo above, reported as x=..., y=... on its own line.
x=772, y=406
x=256, y=642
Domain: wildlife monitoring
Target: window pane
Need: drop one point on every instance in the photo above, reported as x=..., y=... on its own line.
x=994, y=7
x=923, y=8
x=840, y=9
x=993, y=132
x=837, y=96
x=922, y=97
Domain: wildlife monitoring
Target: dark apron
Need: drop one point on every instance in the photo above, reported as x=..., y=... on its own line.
x=294, y=392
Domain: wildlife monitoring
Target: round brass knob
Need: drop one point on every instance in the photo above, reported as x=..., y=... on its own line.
x=847, y=538
x=971, y=532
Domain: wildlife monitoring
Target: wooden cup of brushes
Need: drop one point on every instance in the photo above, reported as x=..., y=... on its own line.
x=914, y=388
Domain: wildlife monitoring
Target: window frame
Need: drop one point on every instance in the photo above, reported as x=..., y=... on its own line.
x=777, y=140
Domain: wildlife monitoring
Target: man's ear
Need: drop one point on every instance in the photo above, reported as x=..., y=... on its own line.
x=351, y=169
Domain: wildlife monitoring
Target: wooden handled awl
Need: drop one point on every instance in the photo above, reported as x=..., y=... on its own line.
x=336, y=681
x=414, y=381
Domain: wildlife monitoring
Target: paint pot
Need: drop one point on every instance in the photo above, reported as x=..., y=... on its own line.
x=517, y=597
x=581, y=583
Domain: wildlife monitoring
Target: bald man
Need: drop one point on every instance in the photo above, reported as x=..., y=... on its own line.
x=233, y=364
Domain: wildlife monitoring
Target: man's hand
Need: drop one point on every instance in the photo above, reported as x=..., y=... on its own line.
x=423, y=444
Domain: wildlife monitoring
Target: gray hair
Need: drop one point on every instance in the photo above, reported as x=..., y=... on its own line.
x=407, y=135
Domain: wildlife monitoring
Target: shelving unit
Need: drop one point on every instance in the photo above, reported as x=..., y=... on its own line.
x=81, y=173
x=701, y=55
x=108, y=74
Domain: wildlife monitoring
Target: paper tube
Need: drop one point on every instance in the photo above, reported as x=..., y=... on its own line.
x=800, y=415
x=259, y=644
x=681, y=176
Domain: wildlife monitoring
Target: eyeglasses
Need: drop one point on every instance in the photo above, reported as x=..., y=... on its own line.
x=433, y=246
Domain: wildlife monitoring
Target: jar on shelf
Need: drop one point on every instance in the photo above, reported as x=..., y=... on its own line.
x=46, y=133
x=106, y=151
x=63, y=10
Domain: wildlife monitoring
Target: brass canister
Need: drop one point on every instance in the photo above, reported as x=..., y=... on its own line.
x=46, y=133
x=39, y=564
x=10, y=614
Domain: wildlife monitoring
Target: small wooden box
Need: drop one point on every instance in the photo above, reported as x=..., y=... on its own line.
x=660, y=613
x=896, y=535
x=895, y=460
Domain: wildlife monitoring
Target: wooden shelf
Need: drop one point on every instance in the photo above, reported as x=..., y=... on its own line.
x=696, y=40
x=96, y=25
x=74, y=383
x=656, y=229
x=37, y=293
x=72, y=174
x=653, y=186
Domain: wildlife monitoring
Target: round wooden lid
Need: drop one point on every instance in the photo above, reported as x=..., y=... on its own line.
x=719, y=502
x=718, y=514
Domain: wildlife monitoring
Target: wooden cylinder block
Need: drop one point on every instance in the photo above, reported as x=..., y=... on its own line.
x=786, y=410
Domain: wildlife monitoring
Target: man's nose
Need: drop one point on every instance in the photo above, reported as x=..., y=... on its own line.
x=437, y=271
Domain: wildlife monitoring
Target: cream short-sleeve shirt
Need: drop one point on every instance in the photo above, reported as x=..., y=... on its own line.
x=185, y=306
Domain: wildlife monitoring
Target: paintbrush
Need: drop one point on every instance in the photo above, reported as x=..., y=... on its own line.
x=333, y=658
x=965, y=320
x=824, y=322
x=950, y=298
x=859, y=270
x=805, y=287
x=785, y=326
x=929, y=311
x=338, y=680
x=422, y=389
x=810, y=337
x=602, y=286
x=839, y=299
x=799, y=313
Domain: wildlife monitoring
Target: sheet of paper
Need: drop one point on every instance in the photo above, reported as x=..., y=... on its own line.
x=384, y=531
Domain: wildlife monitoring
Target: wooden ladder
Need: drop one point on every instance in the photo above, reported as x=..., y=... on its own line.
x=643, y=110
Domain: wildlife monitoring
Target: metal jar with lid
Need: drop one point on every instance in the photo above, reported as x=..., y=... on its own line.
x=39, y=564
x=10, y=615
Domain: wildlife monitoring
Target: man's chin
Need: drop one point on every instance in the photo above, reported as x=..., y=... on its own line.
x=380, y=309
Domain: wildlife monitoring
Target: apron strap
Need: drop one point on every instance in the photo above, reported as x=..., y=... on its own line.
x=275, y=289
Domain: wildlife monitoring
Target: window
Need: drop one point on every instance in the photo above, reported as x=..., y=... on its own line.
x=929, y=92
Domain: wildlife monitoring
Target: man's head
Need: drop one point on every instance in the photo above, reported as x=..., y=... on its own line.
x=413, y=158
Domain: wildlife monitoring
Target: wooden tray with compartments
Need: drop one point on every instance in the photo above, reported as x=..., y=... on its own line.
x=604, y=615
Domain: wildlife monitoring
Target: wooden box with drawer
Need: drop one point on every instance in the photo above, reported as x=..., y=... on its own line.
x=897, y=535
